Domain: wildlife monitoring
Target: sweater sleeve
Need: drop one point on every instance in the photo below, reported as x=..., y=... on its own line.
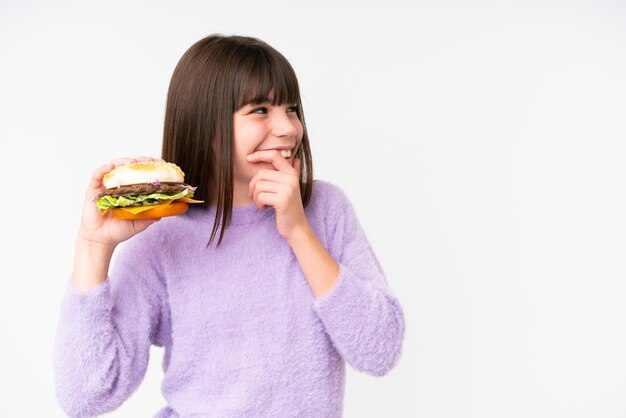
x=360, y=314
x=104, y=336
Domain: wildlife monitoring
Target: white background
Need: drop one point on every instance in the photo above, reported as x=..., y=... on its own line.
x=481, y=143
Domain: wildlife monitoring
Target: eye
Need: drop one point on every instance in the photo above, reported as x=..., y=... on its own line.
x=292, y=109
x=259, y=110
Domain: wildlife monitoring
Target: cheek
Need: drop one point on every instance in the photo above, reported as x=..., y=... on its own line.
x=246, y=136
x=245, y=170
x=300, y=130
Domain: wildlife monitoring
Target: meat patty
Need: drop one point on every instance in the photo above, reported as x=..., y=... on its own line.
x=144, y=188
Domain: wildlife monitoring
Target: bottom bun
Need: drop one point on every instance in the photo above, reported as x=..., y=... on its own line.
x=158, y=211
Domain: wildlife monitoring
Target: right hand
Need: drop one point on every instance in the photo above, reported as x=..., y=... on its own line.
x=106, y=230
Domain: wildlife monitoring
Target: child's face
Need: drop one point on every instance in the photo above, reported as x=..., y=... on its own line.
x=259, y=127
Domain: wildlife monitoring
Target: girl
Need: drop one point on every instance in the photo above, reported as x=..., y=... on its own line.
x=260, y=295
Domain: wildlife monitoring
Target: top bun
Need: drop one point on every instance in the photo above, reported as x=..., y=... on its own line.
x=143, y=172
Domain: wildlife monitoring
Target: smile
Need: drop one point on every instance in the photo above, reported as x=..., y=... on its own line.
x=284, y=151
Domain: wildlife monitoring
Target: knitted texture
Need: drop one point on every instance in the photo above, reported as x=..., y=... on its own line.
x=243, y=334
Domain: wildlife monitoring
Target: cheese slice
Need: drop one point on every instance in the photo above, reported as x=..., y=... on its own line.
x=189, y=200
x=138, y=209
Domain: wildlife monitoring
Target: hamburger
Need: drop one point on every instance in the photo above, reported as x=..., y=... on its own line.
x=144, y=190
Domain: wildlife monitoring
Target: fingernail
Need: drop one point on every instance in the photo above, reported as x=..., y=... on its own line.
x=249, y=156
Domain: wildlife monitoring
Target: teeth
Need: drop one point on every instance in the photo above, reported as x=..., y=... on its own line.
x=286, y=153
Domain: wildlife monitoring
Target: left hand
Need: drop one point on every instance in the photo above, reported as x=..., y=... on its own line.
x=280, y=189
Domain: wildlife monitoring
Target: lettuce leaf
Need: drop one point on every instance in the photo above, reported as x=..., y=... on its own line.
x=106, y=202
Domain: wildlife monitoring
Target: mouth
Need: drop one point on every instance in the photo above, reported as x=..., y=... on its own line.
x=285, y=152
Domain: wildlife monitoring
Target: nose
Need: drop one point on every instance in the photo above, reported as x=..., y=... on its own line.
x=284, y=125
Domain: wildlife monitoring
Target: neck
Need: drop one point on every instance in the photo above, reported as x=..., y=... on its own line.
x=241, y=201
x=240, y=195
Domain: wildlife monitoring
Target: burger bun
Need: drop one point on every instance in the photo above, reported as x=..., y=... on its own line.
x=143, y=172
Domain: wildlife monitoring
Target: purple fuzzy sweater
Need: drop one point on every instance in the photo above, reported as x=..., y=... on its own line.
x=243, y=334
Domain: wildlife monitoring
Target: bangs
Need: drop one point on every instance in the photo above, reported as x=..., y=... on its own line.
x=265, y=77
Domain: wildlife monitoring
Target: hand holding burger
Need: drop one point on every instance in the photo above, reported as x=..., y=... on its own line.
x=99, y=235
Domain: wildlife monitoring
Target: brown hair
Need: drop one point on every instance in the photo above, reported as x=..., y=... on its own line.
x=215, y=77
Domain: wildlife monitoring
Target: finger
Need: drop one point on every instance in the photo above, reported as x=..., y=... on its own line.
x=269, y=175
x=263, y=187
x=279, y=201
x=144, y=159
x=266, y=199
x=99, y=173
x=122, y=161
x=95, y=183
x=140, y=225
x=266, y=187
x=127, y=160
x=271, y=156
